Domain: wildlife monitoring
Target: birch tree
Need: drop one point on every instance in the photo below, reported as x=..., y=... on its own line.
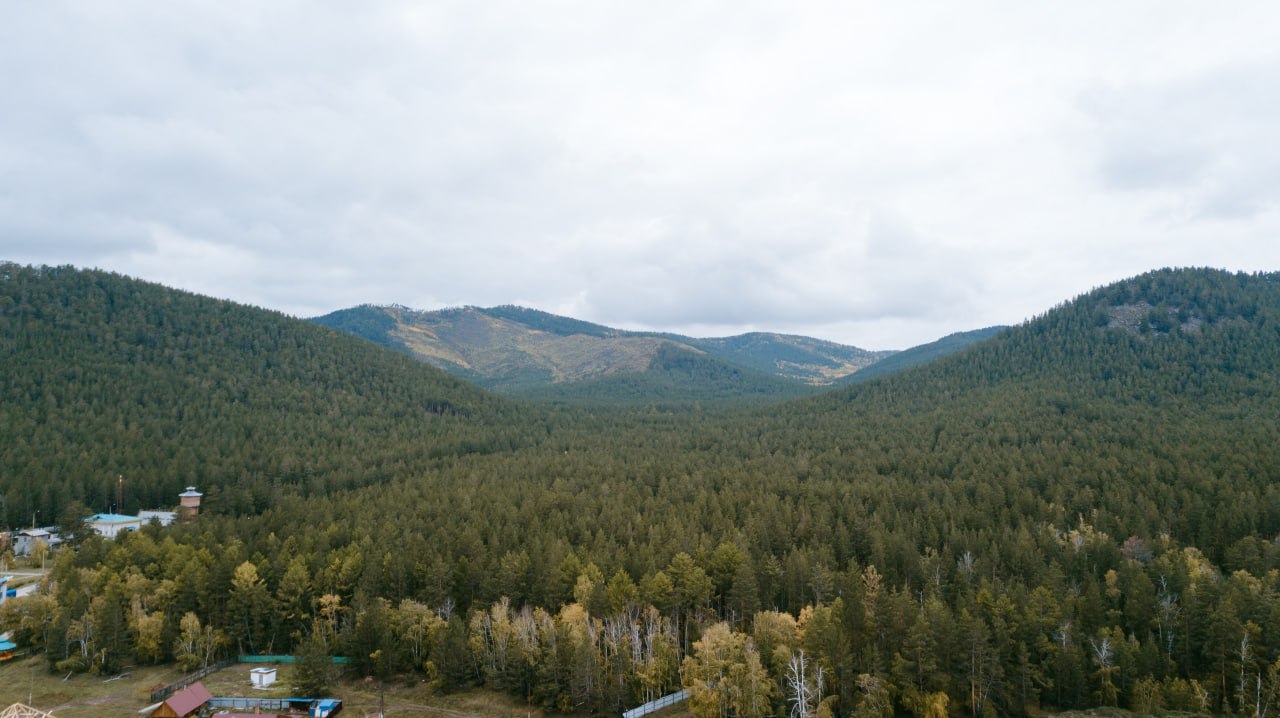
x=803, y=686
x=724, y=676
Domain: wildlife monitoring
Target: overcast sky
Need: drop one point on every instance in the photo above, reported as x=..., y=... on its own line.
x=878, y=174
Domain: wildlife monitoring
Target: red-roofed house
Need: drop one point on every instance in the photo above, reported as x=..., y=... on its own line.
x=184, y=703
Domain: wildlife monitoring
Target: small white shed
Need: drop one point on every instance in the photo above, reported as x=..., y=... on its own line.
x=262, y=677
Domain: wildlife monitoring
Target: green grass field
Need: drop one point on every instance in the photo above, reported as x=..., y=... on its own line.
x=28, y=680
x=89, y=696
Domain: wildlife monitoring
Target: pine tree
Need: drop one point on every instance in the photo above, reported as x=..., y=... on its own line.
x=313, y=671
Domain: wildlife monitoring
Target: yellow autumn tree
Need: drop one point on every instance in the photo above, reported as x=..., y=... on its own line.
x=724, y=676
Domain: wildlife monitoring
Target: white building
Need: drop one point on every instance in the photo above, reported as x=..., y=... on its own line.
x=262, y=677
x=25, y=540
x=164, y=517
x=112, y=525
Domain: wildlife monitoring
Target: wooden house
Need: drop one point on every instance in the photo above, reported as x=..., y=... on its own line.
x=183, y=704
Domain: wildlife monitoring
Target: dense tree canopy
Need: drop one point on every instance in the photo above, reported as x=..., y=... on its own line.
x=1082, y=510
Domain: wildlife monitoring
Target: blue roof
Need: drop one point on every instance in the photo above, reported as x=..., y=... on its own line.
x=7, y=646
x=112, y=518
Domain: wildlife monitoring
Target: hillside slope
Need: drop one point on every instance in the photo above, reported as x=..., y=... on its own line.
x=923, y=354
x=1142, y=406
x=518, y=349
x=676, y=378
x=810, y=361
x=1186, y=333
x=106, y=376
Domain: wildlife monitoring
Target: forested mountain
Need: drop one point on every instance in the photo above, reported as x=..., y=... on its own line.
x=105, y=376
x=812, y=361
x=922, y=354
x=1080, y=511
x=521, y=350
x=676, y=379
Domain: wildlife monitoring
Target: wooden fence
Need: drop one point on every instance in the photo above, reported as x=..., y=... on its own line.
x=160, y=694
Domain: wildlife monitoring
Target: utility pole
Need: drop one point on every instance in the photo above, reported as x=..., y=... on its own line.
x=120, y=493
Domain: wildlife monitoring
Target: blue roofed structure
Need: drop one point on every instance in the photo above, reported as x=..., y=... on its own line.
x=111, y=525
x=325, y=707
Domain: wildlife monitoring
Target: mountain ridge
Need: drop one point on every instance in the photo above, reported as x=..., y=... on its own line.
x=924, y=353
x=513, y=348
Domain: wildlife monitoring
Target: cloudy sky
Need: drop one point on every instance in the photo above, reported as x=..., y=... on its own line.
x=879, y=174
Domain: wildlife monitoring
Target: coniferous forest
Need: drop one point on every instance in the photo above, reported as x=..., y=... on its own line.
x=1081, y=511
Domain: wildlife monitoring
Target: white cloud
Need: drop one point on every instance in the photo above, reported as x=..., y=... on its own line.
x=876, y=173
x=1205, y=141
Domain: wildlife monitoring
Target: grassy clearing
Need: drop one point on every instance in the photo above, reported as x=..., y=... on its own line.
x=89, y=696
x=79, y=696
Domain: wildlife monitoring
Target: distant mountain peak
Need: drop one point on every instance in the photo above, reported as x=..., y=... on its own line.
x=516, y=348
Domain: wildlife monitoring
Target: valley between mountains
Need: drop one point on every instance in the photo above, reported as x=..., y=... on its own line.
x=1077, y=512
